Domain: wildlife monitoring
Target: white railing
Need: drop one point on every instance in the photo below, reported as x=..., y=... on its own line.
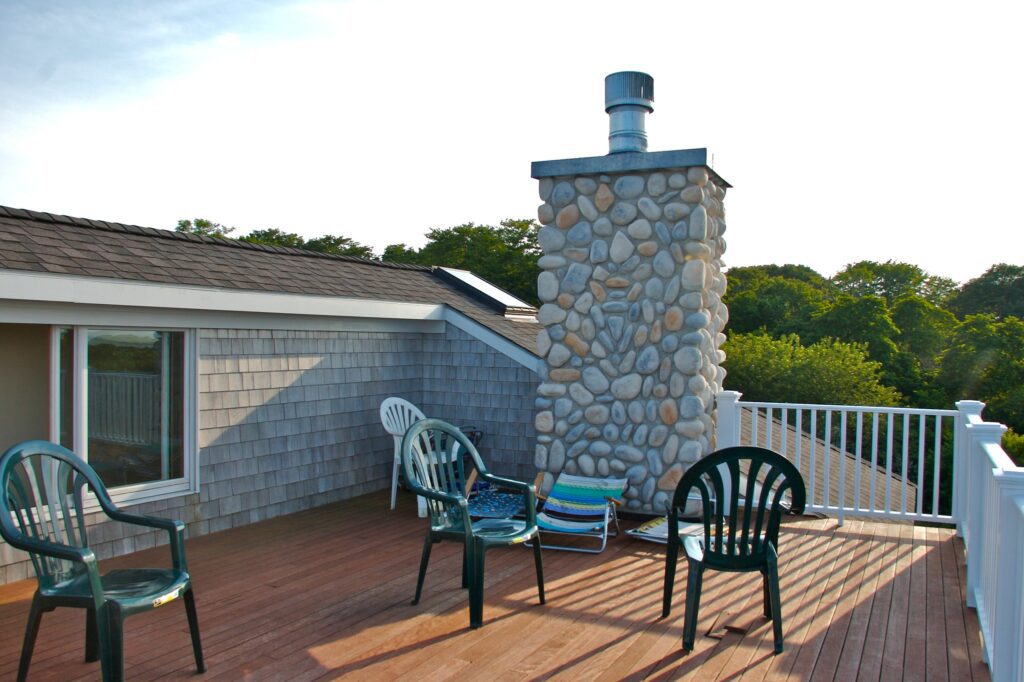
x=124, y=407
x=989, y=511
x=957, y=473
x=889, y=462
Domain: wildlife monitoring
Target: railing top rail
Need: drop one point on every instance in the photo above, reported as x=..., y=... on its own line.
x=851, y=408
x=999, y=459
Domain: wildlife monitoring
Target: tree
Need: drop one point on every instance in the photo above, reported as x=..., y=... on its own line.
x=339, y=246
x=400, y=253
x=985, y=361
x=777, y=305
x=505, y=255
x=924, y=329
x=1000, y=292
x=336, y=245
x=863, y=320
x=203, y=228
x=274, y=237
x=783, y=370
x=891, y=280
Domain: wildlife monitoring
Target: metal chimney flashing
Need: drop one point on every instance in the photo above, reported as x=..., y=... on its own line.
x=625, y=162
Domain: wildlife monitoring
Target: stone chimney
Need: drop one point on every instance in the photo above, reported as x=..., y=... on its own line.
x=632, y=314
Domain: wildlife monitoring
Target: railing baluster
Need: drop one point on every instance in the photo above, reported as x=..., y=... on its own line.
x=921, y=424
x=768, y=428
x=842, y=465
x=856, y=470
x=826, y=488
x=811, y=487
x=874, y=458
x=785, y=430
x=799, y=436
x=754, y=419
x=937, y=465
x=903, y=464
x=888, y=461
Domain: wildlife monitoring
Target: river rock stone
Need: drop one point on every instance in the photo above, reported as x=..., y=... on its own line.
x=603, y=198
x=544, y=421
x=698, y=175
x=621, y=249
x=545, y=214
x=562, y=195
x=575, y=280
x=648, y=208
x=623, y=213
x=627, y=387
x=688, y=359
x=656, y=184
x=550, y=239
x=692, y=194
x=640, y=229
x=594, y=380
x=648, y=360
x=580, y=234
x=550, y=313
x=587, y=208
x=692, y=277
x=629, y=186
x=585, y=185
x=597, y=414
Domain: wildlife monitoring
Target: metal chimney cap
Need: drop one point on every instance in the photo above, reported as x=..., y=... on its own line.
x=628, y=88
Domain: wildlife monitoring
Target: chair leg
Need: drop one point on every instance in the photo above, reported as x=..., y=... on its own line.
x=766, y=596
x=424, y=560
x=776, y=602
x=35, y=615
x=112, y=655
x=91, y=636
x=694, y=580
x=671, y=557
x=193, y=628
x=540, y=568
x=476, y=587
x=394, y=481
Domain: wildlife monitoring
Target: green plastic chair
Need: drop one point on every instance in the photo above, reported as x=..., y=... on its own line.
x=432, y=468
x=743, y=493
x=42, y=512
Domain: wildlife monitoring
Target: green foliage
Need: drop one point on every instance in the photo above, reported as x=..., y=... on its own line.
x=924, y=329
x=891, y=280
x=864, y=320
x=505, y=255
x=778, y=305
x=1013, y=444
x=203, y=228
x=400, y=253
x=999, y=292
x=985, y=361
x=783, y=370
x=337, y=245
x=274, y=237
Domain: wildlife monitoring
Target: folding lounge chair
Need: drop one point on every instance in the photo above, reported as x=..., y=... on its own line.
x=580, y=506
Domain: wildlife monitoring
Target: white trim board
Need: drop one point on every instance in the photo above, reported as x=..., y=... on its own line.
x=43, y=298
x=50, y=288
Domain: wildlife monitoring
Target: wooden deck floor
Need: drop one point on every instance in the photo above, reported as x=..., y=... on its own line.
x=325, y=594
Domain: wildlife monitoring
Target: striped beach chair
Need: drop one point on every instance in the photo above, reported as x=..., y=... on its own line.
x=582, y=507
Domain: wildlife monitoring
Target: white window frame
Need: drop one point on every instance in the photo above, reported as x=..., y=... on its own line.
x=134, y=493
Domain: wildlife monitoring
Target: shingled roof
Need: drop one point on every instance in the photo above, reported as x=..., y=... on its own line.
x=58, y=244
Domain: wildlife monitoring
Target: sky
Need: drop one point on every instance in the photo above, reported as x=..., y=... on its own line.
x=849, y=131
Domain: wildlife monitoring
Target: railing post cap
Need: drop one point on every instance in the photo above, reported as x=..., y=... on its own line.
x=970, y=406
x=729, y=396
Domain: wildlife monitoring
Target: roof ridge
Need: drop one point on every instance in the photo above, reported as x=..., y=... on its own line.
x=160, y=233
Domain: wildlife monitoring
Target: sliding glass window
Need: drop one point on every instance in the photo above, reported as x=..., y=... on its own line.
x=123, y=402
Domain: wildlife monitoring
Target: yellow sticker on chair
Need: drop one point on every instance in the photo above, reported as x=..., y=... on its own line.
x=170, y=596
x=518, y=540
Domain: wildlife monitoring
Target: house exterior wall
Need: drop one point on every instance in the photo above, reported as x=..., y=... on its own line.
x=289, y=420
x=24, y=366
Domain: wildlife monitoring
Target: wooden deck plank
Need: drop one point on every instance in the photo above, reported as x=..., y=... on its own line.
x=956, y=633
x=324, y=594
x=870, y=663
